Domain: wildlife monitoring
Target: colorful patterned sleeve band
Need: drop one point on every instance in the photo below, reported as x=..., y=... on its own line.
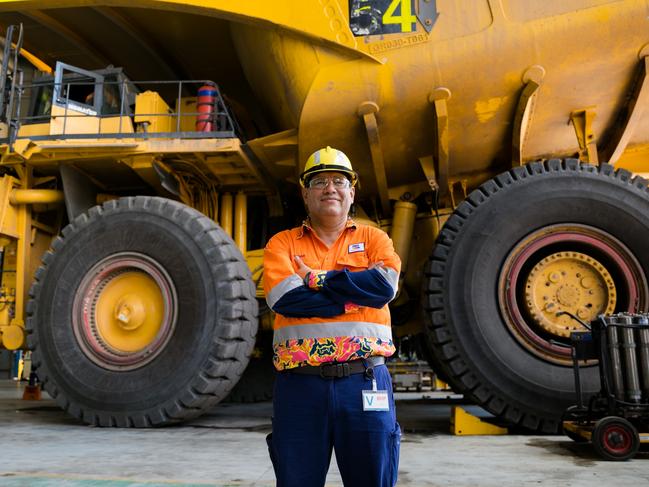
x=351, y=307
x=315, y=279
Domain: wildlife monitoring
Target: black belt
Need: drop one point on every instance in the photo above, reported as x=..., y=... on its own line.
x=334, y=370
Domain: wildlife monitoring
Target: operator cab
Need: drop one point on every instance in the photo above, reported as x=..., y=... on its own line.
x=105, y=92
x=78, y=103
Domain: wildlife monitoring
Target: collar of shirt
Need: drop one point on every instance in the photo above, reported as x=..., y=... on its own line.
x=306, y=225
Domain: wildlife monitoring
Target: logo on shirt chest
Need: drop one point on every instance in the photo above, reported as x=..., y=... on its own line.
x=356, y=247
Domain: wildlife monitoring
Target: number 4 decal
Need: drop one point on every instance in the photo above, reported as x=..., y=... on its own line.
x=405, y=17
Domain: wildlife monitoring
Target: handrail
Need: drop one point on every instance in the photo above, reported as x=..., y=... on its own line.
x=220, y=118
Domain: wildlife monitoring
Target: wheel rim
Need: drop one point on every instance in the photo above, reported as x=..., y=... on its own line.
x=568, y=281
x=124, y=311
x=617, y=440
x=573, y=268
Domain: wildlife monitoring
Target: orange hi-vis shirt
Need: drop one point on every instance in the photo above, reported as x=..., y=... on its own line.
x=316, y=334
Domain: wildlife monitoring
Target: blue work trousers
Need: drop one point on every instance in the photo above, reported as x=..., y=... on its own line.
x=313, y=415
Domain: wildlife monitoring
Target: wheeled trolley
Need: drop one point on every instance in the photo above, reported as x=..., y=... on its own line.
x=615, y=421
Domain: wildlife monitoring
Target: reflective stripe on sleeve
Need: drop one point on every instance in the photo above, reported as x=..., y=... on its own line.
x=291, y=282
x=392, y=277
x=333, y=329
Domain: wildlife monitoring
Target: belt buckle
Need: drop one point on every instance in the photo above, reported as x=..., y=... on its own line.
x=338, y=370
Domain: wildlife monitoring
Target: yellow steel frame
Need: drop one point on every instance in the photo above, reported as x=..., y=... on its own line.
x=325, y=19
x=464, y=424
x=18, y=239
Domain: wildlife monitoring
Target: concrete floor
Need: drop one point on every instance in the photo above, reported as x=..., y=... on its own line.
x=43, y=447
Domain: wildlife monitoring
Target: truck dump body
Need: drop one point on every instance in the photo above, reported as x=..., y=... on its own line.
x=431, y=100
x=302, y=76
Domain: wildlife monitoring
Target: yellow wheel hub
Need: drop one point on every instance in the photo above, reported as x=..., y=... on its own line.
x=568, y=281
x=129, y=312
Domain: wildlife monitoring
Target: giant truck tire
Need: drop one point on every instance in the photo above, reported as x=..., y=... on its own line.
x=525, y=246
x=142, y=314
x=256, y=383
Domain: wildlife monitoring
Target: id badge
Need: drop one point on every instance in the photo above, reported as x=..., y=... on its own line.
x=375, y=400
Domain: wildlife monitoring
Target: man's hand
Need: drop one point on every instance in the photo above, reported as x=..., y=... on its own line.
x=375, y=264
x=302, y=268
x=312, y=279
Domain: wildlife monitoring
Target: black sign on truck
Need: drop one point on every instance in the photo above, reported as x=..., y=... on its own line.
x=377, y=17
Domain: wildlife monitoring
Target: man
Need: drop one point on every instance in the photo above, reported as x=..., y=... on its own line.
x=329, y=282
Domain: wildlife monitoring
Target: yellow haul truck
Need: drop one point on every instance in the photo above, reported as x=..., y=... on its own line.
x=479, y=128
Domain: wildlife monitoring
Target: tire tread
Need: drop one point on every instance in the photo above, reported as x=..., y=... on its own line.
x=439, y=332
x=237, y=309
